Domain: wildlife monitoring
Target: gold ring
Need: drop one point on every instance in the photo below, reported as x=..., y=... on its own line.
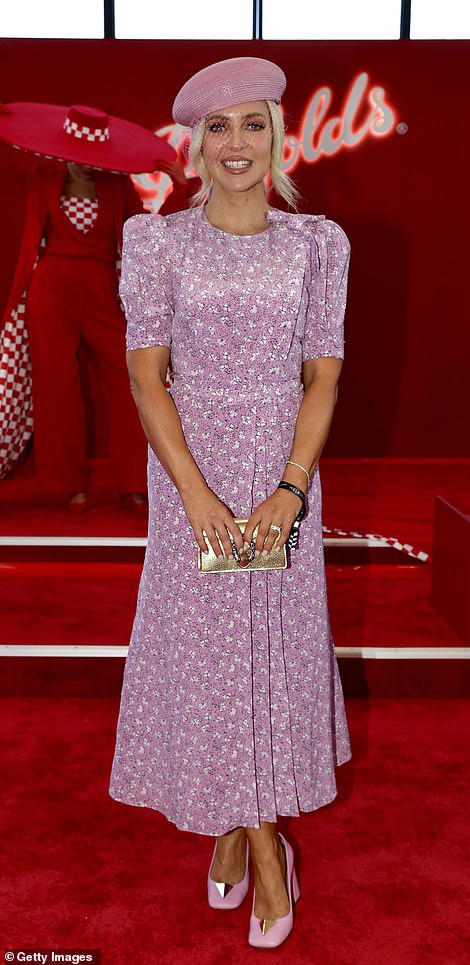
x=276, y=528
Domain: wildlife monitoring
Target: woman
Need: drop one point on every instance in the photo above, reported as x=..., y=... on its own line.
x=232, y=711
x=72, y=299
x=66, y=289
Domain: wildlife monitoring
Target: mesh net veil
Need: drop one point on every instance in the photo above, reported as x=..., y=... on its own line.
x=235, y=146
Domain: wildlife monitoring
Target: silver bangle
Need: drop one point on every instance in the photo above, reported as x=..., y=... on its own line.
x=298, y=466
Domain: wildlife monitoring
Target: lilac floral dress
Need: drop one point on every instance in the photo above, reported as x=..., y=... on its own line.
x=232, y=709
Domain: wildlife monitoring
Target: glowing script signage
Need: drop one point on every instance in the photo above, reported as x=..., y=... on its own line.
x=365, y=114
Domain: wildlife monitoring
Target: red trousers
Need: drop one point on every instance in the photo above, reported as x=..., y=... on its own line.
x=70, y=301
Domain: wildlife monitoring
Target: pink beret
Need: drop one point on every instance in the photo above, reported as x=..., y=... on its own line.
x=225, y=84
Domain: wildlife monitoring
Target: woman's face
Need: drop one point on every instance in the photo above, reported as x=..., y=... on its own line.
x=81, y=172
x=237, y=145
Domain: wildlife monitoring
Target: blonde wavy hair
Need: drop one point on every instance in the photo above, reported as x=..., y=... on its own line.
x=280, y=181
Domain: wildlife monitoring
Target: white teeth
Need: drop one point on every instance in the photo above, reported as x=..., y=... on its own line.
x=236, y=164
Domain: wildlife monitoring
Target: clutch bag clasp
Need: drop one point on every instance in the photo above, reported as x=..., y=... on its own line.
x=275, y=560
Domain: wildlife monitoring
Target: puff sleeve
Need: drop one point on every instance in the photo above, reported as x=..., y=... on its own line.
x=327, y=287
x=145, y=286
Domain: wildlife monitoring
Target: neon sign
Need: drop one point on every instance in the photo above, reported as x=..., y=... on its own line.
x=364, y=114
x=318, y=135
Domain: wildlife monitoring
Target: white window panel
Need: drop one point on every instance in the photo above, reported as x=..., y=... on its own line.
x=183, y=20
x=440, y=20
x=52, y=18
x=331, y=19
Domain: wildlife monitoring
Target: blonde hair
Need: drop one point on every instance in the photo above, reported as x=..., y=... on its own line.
x=280, y=181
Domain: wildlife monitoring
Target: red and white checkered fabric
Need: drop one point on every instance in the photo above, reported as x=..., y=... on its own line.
x=81, y=212
x=16, y=403
x=87, y=133
x=390, y=540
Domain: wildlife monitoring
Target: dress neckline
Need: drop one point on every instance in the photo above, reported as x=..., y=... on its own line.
x=229, y=234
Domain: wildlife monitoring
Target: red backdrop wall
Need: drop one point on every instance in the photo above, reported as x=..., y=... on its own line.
x=401, y=197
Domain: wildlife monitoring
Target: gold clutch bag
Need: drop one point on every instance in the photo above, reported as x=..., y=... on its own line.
x=275, y=560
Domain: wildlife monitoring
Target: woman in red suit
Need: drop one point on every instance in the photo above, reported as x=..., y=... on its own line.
x=67, y=280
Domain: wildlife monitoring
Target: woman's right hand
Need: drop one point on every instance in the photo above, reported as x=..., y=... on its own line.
x=207, y=513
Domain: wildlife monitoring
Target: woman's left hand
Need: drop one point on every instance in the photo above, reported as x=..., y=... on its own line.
x=278, y=511
x=174, y=169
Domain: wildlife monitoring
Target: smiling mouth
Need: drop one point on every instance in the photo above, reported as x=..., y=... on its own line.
x=236, y=165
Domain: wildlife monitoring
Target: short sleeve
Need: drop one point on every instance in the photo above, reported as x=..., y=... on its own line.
x=327, y=286
x=145, y=286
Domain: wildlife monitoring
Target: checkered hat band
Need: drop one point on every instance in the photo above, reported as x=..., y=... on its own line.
x=85, y=133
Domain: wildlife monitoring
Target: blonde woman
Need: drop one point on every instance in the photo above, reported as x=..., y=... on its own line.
x=232, y=711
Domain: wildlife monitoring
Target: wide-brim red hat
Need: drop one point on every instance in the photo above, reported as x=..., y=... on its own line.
x=84, y=135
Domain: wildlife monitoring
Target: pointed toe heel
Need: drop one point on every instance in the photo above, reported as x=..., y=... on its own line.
x=77, y=508
x=223, y=896
x=270, y=933
x=136, y=502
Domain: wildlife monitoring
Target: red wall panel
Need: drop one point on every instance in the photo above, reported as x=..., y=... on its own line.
x=401, y=197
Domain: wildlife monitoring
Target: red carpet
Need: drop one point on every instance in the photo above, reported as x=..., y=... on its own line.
x=372, y=604
x=392, y=497
x=94, y=603
x=383, y=870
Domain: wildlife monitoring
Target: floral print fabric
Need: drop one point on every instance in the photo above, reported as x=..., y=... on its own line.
x=232, y=709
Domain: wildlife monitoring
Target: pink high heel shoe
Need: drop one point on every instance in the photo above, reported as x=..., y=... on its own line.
x=221, y=895
x=271, y=932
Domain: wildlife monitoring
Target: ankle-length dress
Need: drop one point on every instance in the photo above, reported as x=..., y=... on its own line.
x=232, y=709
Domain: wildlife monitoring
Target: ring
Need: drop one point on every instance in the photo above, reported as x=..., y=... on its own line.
x=277, y=528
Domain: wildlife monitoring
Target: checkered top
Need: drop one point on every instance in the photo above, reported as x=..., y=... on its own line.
x=81, y=212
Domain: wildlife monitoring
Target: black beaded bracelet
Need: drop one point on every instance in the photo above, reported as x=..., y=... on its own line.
x=294, y=533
